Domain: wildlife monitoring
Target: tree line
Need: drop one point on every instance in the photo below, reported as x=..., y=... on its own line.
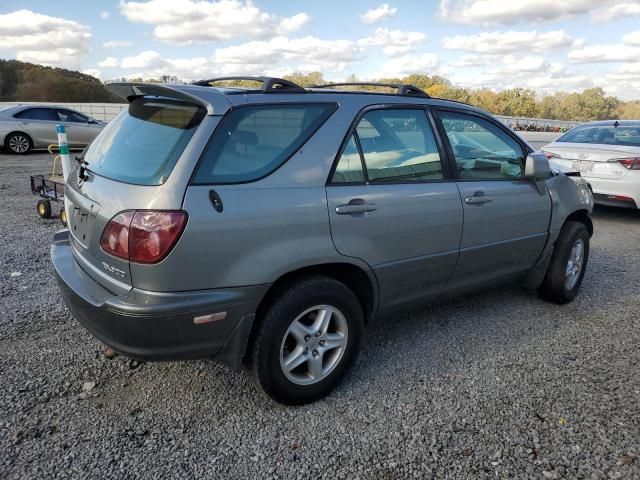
x=28, y=82
x=20, y=81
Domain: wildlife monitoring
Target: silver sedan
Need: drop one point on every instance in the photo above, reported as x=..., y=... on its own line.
x=27, y=127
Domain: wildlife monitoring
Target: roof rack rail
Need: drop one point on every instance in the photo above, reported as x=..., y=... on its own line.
x=269, y=84
x=401, y=88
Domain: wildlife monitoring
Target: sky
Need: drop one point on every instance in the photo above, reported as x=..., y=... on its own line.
x=545, y=45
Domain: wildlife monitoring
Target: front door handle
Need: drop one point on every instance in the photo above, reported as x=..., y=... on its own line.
x=478, y=198
x=357, y=205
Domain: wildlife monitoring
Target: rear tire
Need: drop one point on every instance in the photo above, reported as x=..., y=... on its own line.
x=316, y=324
x=44, y=208
x=568, y=264
x=18, y=143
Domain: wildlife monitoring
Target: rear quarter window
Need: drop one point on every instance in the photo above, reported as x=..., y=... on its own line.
x=251, y=142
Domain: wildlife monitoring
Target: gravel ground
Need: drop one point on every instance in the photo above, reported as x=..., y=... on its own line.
x=496, y=384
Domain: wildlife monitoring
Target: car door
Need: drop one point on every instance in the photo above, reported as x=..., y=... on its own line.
x=390, y=204
x=506, y=216
x=79, y=131
x=40, y=123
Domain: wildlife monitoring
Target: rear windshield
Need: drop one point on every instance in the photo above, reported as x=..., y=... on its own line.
x=251, y=142
x=608, y=135
x=144, y=142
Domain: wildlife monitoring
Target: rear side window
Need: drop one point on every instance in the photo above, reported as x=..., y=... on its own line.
x=144, y=142
x=70, y=116
x=251, y=142
x=608, y=135
x=398, y=145
x=38, y=114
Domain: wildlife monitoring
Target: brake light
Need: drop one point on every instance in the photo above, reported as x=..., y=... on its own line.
x=115, y=238
x=143, y=236
x=629, y=163
x=550, y=155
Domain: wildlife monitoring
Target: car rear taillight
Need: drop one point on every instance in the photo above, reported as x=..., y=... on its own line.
x=550, y=155
x=143, y=236
x=629, y=163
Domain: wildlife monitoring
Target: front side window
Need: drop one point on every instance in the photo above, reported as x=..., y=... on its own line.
x=481, y=149
x=398, y=145
x=251, y=142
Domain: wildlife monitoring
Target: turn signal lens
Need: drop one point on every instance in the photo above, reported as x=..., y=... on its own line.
x=144, y=236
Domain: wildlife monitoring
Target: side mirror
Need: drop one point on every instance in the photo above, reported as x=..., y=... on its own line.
x=537, y=166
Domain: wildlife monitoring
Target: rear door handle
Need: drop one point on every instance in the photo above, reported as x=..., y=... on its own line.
x=478, y=198
x=357, y=205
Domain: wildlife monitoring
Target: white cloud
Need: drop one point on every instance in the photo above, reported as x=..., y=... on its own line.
x=605, y=54
x=394, y=42
x=378, y=14
x=186, y=22
x=328, y=55
x=94, y=72
x=109, y=62
x=619, y=10
x=295, y=23
x=117, y=44
x=501, y=12
x=507, y=42
x=408, y=65
x=43, y=39
x=151, y=64
x=523, y=64
x=104, y=15
x=632, y=38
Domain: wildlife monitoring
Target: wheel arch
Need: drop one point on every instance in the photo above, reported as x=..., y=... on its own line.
x=362, y=282
x=581, y=216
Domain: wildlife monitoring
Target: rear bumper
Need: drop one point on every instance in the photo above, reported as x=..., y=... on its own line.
x=157, y=326
x=605, y=191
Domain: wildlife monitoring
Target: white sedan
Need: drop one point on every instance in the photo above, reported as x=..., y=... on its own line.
x=607, y=155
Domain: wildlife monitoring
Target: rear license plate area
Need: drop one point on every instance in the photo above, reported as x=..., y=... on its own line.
x=582, y=165
x=80, y=225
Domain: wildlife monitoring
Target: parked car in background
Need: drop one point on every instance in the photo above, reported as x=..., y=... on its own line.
x=607, y=155
x=27, y=127
x=273, y=224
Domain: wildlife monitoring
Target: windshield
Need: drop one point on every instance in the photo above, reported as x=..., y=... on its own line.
x=143, y=143
x=603, y=134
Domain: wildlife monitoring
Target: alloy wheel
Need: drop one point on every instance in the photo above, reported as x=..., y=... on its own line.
x=19, y=144
x=314, y=344
x=574, y=265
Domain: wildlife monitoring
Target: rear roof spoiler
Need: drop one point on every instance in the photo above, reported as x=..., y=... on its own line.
x=215, y=102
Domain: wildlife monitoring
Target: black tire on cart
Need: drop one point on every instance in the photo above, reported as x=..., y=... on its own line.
x=63, y=216
x=44, y=208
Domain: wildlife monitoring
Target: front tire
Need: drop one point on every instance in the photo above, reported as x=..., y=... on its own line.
x=19, y=143
x=308, y=338
x=568, y=264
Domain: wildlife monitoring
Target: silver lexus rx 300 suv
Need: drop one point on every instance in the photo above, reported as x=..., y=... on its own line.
x=273, y=224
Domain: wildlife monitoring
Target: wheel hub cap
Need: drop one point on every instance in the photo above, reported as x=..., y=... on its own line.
x=19, y=144
x=313, y=345
x=574, y=265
